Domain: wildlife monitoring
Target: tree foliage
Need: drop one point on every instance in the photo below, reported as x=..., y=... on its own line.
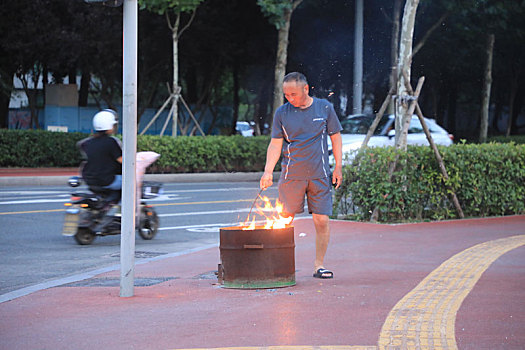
x=165, y=7
x=274, y=10
x=162, y=6
x=453, y=61
x=280, y=15
x=235, y=41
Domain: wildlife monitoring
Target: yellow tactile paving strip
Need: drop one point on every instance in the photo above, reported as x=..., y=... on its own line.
x=425, y=318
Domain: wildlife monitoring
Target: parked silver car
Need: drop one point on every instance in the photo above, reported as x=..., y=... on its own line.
x=356, y=127
x=244, y=129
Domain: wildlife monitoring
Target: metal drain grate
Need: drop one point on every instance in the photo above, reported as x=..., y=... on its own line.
x=140, y=255
x=115, y=282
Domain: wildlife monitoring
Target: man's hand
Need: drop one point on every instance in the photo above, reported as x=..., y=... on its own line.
x=337, y=149
x=266, y=180
x=337, y=177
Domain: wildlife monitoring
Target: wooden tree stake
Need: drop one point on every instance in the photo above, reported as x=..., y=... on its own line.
x=393, y=164
x=436, y=153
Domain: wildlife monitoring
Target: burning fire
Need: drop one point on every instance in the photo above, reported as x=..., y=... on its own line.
x=272, y=215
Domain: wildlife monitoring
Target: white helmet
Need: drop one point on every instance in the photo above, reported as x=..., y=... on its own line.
x=104, y=120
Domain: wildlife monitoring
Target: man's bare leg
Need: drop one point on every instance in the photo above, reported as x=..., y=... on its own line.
x=322, y=238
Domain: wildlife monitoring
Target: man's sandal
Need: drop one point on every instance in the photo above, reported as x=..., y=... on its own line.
x=323, y=273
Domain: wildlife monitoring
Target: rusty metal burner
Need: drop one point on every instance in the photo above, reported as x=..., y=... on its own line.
x=259, y=258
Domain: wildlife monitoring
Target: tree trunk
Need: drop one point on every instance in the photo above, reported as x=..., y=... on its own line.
x=512, y=97
x=83, y=92
x=403, y=72
x=45, y=82
x=280, y=63
x=497, y=100
x=149, y=94
x=394, y=49
x=72, y=76
x=31, y=94
x=5, y=98
x=337, y=98
x=4, y=108
x=518, y=106
x=433, y=102
x=485, y=94
x=262, y=105
x=452, y=106
x=191, y=91
x=235, y=72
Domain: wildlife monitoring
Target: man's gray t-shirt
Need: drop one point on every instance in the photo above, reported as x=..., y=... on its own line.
x=305, y=133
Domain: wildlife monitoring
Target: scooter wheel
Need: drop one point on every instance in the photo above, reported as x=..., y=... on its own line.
x=149, y=223
x=84, y=236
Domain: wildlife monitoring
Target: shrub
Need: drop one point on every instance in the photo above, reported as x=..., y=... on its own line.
x=488, y=179
x=183, y=154
x=38, y=148
x=520, y=139
x=190, y=154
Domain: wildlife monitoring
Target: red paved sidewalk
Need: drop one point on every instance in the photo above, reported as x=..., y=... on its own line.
x=375, y=266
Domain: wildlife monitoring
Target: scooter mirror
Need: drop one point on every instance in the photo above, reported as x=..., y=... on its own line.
x=74, y=181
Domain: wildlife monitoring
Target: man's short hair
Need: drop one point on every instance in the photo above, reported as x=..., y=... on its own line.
x=299, y=78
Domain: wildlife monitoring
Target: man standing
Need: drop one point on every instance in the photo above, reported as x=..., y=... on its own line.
x=300, y=131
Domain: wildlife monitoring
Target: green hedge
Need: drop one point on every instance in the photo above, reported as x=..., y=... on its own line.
x=192, y=154
x=488, y=179
x=183, y=154
x=38, y=148
x=520, y=139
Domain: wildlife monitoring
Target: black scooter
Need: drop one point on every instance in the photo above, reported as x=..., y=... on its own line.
x=88, y=214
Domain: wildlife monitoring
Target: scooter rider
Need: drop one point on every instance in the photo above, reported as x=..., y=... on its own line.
x=103, y=154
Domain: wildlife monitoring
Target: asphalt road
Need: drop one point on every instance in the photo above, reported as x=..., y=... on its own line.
x=34, y=251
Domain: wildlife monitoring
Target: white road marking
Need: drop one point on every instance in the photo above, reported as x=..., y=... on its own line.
x=197, y=226
x=245, y=210
x=215, y=190
x=204, y=229
x=161, y=198
x=165, y=196
x=188, y=227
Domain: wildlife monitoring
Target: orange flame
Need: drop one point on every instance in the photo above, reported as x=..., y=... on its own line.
x=251, y=226
x=272, y=214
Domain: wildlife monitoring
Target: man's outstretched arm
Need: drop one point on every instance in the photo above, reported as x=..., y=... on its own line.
x=337, y=149
x=272, y=157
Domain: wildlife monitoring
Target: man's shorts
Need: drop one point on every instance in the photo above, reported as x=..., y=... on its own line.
x=318, y=195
